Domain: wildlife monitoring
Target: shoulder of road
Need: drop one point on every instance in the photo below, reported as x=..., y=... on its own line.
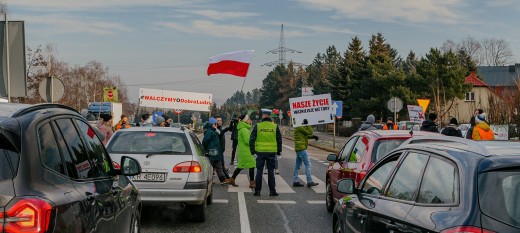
x=325, y=141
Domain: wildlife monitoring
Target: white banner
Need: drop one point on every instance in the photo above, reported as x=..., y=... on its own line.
x=317, y=109
x=416, y=113
x=501, y=132
x=175, y=100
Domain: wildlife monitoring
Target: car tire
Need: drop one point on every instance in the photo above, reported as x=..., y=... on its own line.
x=209, y=199
x=199, y=212
x=329, y=199
x=337, y=226
x=136, y=222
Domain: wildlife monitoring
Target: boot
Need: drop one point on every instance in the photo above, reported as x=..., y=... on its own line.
x=224, y=181
x=232, y=182
x=252, y=184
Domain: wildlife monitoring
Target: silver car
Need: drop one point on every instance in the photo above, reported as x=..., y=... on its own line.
x=175, y=170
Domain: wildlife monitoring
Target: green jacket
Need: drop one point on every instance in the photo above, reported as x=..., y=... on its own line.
x=211, y=141
x=302, y=135
x=245, y=158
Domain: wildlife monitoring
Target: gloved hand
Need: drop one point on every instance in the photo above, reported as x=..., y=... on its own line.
x=315, y=137
x=255, y=156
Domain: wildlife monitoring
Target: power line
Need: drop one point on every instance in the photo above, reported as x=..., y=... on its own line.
x=281, y=51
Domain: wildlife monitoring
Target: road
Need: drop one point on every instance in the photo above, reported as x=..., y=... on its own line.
x=235, y=209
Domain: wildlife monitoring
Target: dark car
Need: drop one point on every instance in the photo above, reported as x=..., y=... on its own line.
x=56, y=176
x=358, y=155
x=436, y=184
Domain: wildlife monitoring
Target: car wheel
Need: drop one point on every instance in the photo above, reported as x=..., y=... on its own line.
x=199, y=212
x=209, y=199
x=337, y=226
x=136, y=223
x=329, y=199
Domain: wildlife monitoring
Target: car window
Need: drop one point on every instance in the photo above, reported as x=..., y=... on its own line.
x=78, y=164
x=6, y=164
x=49, y=151
x=498, y=195
x=383, y=147
x=360, y=149
x=96, y=150
x=440, y=184
x=405, y=183
x=143, y=142
x=345, y=152
x=374, y=182
x=198, y=146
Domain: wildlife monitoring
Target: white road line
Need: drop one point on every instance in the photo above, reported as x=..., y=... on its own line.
x=318, y=189
x=321, y=161
x=288, y=147
x=225, y=201
x=242, y=209
x=326, y=164
x=281, y=185
x=275, y=202
x=316, y=202
x=242, y=181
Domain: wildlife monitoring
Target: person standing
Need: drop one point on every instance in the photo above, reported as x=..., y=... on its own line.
x=429, y=124
x=211, y=144
x=302, y=135
x=222, y=138
x=390, y=125
x=266, y=144
x=245, y=159
x=452, y=129
x=234, y=138
x=123, y=123
x=469, y=133
x=482, y=130
x=146, y=120
x=105, y=127
x=368, y=124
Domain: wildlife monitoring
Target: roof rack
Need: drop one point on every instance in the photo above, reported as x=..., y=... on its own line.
x=35, y=107
x=472, y=146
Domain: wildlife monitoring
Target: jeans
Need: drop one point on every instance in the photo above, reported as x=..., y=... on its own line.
x=302, y=156
x=224, y=169
x=269, y=161
x=217, y=165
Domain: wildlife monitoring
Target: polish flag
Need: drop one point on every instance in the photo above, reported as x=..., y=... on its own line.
x=233, y=63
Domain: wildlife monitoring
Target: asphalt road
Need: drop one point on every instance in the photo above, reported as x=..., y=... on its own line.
x=235, y=209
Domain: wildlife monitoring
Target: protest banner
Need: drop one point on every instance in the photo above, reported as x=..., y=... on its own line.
x=416, y=113
x=501, y=132
x=175, y=100
x=317, y=109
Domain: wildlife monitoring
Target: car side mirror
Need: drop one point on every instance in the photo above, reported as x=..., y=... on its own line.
x=332, y=158
x=346, y=186
x=129, y=166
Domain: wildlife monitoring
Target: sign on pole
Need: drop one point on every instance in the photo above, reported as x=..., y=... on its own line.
x=416, y=113
x=110, y=94
x=337, y=108
x=317, y=109
x=307, y=91
x=175, y=100
x=423, y=103
x=394, y=104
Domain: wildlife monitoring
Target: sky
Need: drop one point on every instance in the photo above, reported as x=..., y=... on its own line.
x=166, y=44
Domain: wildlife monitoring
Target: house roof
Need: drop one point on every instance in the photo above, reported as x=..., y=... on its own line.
x=499, y=75
x=475, y=81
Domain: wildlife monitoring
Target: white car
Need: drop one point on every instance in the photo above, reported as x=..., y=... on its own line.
x=175, y=170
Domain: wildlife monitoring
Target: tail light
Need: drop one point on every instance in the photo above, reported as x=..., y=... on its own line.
x=466, y=229
x=188, y=166
x=28, y=215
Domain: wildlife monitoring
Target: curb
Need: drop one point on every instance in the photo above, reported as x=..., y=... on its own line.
x=317, y=146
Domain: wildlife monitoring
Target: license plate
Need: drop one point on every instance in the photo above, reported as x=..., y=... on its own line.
x=150, y=177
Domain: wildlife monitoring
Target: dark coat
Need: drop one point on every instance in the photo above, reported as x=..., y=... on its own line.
x=211, y=141
x=452, y=130
x=429, y=125
x=222, y=137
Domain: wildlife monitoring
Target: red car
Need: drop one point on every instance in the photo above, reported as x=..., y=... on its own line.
x=358, y=155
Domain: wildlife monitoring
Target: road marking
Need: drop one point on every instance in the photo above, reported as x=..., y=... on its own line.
x=281, y=185
x=285, y=219
x=275, y=202
x=244, y=219
x=321, y=161
x=316, y=202
x=318, y=189
x=224, y=201
x=326, y=164
x=242, y=181
x=288, y=147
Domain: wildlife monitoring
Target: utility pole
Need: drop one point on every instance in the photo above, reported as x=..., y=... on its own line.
x=7, y=57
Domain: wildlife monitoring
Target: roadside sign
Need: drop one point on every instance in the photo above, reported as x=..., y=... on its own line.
x=394, y=104
x=178, y=111
x=337, y=107
x=307, y=91
x=423, y=103
x=175, y=100
x=317, y=109
x=416, y=113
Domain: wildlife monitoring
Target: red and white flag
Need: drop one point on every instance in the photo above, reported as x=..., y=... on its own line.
x=233, y=63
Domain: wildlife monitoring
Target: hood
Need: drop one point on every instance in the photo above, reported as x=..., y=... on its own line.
x=428, y=123
x=242, y=125
x=483, y=125
x=365, y=126
x=208, y=126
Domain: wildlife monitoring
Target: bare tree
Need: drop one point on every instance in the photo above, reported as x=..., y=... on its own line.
x=497, y=52
x=473, y=48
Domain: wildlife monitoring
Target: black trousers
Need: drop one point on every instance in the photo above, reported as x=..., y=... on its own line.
x=234, y=151
x=251, y=173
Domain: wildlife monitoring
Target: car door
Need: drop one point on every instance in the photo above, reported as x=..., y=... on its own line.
x=336, y=170
x=204, y=161
x=355, y=170
x=389, y=210
x=91, y=178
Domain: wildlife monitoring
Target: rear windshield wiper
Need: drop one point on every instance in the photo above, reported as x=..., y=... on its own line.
x=162, y=153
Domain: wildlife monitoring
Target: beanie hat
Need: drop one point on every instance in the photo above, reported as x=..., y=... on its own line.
x=432, y=116
x=105, y=117
x=159, y=120
x=371, y=119
x=244, y=117
x=480, y=117
x=453, y=121
x=212, y=121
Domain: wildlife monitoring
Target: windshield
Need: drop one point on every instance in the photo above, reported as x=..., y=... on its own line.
x=498, y=194
x=383, y=147
x=146, y=142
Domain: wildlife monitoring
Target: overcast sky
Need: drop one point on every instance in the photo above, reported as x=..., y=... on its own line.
x=166, y=44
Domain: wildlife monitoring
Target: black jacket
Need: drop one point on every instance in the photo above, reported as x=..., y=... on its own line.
x=429, y=125
x=222, y=137
x=452, y=130
x=252, y=139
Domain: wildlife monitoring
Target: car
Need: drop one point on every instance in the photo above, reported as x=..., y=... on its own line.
x=56, y=176
x=358, y=155
x=176, y=171
x=436, y=184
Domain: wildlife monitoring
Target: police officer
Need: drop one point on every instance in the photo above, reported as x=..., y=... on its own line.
x=265, y=143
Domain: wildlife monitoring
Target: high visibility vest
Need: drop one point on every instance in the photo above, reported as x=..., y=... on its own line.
x=385, y=127
x=266, y=137
x=485, y=135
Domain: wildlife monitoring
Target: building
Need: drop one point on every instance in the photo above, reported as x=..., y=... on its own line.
x=504, y=80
